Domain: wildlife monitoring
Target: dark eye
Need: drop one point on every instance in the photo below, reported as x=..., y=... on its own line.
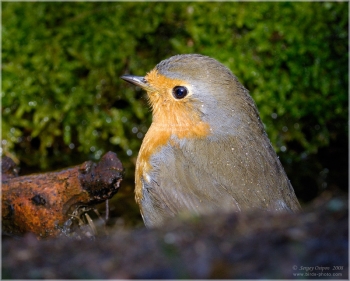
x=179, y=92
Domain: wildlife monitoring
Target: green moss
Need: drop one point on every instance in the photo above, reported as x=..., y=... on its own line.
x=63, y=100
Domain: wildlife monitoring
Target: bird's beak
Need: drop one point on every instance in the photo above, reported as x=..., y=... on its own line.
x=138, y=81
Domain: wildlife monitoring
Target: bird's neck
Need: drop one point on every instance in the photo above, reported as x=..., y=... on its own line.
x=179, y=120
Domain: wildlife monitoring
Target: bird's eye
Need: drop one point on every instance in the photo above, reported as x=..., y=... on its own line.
x=179, y=92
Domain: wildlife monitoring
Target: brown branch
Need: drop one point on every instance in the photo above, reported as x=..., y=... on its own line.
x=42, y=203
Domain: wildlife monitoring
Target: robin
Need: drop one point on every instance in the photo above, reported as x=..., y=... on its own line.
x=206, y=149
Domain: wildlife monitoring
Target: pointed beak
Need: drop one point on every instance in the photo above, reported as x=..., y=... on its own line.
x=137, y=80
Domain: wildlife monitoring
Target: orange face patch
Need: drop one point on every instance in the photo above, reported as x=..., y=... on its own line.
x=171, y=117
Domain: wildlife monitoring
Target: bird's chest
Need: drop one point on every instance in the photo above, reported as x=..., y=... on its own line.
x=156, y=151
x=159, y=148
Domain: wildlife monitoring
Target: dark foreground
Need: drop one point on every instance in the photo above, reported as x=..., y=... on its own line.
x=311, y=244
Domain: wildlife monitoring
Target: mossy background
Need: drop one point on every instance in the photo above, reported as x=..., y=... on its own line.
x=63, y=101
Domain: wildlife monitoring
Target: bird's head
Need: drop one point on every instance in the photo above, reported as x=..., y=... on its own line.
x=195, y=95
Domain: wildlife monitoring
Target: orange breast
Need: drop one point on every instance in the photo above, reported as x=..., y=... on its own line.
x=171, y=117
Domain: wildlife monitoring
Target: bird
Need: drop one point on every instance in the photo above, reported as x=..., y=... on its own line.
x=206, y=150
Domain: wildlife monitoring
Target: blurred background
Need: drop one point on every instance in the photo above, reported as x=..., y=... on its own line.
x=63, y=101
